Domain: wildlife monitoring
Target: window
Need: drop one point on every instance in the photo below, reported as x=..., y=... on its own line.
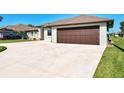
x=49, y=32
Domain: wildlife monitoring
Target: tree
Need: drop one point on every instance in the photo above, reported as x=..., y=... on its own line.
x=1, y=18
x=30, y=25
x=22, y=34
x=122, y=27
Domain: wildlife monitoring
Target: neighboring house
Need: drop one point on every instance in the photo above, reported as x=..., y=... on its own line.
x=117, y=35
x=7, y=34
x=82, y=29
x=32, y=33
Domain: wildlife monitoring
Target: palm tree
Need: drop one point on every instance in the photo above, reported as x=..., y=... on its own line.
x=122, y=27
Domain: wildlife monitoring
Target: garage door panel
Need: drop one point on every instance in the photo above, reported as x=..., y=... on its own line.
x=78, y=36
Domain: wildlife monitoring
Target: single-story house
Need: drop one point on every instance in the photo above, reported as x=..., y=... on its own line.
x=81, y=29
x=32, y=33
x=7, y=34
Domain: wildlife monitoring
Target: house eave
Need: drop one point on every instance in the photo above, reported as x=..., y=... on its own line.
x=109, y=24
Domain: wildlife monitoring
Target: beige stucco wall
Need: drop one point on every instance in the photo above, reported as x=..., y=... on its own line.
x=35, y=35
x=54, y=35
x=32, y=35
x=39, y=35
x=102, y=36
x=46, y=37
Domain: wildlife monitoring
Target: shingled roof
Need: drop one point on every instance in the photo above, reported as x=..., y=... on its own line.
x=82, y=19
x=21, y=27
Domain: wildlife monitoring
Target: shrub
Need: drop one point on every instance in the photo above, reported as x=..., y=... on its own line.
x=2, y=48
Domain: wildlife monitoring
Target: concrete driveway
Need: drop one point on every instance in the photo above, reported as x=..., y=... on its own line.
x=41, y=59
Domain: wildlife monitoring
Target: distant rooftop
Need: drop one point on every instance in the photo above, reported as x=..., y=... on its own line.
x=21, y=27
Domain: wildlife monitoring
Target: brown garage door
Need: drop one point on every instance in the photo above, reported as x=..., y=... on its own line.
x=84, y=35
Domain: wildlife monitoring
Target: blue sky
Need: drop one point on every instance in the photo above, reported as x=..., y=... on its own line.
x=38, y=19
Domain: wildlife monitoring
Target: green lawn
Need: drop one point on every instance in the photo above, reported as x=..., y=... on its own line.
x=13, y=41
x=112, y=61
x=2, y=48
